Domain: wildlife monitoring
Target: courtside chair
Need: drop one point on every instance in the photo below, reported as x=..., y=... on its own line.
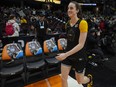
x=35, y=63
x=12, y=63
x=50, y=51
x=62, y=44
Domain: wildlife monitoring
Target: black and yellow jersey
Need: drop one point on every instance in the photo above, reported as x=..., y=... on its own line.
x=73, y=33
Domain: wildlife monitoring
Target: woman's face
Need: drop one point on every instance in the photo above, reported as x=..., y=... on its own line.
x=72, y=11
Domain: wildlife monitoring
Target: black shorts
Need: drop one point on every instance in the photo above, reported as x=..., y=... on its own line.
x=79, y=64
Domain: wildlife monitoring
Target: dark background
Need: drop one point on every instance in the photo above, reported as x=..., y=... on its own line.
x=63, y=6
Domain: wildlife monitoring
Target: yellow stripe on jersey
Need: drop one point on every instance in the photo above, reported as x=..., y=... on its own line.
x=83, y=26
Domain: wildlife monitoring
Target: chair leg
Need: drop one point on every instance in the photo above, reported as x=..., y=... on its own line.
x=24, y=77
x=27, y=76
x=3, y=82
x=44, y=72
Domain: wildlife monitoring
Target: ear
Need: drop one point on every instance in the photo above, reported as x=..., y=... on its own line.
x=78, y=11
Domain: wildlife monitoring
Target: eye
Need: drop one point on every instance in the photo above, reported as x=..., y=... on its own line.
x=71, y=8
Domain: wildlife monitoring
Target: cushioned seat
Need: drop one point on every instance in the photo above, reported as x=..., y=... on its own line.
x=52, y=60
x=34, y=59
x=12, y=63
x=35, y=65
x=50, y=51
x=11, y=70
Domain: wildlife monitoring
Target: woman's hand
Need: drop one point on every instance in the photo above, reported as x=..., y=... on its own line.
x=61, y=56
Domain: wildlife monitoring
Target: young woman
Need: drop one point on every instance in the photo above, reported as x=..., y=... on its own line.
x=76, y=54
x=16, y=27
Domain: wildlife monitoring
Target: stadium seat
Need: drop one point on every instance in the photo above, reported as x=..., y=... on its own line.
x=35, y=63
x=62, y=44
x=12, y=63
x=50, y=51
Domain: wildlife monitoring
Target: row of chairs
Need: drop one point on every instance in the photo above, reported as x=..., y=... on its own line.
x=34, y=59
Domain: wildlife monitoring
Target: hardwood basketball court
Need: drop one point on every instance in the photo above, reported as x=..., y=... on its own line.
x=54, y=81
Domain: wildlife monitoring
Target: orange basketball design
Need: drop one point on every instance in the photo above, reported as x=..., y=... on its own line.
x=62, y=44
x=59, y=45
x=27, y=50
x=5, y=55
x=45, y=47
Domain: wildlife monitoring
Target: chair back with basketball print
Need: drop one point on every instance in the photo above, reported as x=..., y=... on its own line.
x=50, y=52
x=12, y=51
x=50, y=48
x=33, y=48
x=62, y=44
x=34, y=59
x=12, y=62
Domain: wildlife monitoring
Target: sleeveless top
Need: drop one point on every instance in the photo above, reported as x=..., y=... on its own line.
x=73, y=33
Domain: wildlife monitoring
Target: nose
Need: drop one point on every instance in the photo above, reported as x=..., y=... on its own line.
x=68, y=9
